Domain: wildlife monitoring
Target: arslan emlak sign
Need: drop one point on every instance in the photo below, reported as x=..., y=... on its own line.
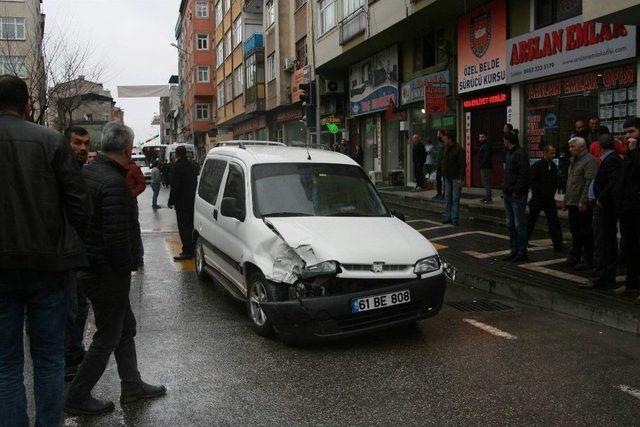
x=568, y=46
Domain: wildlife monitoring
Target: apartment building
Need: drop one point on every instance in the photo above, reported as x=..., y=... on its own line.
x=21, y=43
x=196, y=59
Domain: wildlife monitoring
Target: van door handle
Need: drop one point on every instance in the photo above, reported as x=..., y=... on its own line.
x=215, y=214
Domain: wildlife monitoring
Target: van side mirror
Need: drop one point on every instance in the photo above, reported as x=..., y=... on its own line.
x=229, y=208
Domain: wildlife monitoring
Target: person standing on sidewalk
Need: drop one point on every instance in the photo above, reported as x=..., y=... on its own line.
x=111, y=244
x=428, y=163
x=78, y=305
x=419, y=156
x=544, y=183
x=156, y=183
x=515, y=190
x=453, y=171
x=183, y=197
x=45, y=212
x=137, y=184
x=438, y=154
x=627, y=197
x=605, y=220
x=581, y=172
x=485, y=164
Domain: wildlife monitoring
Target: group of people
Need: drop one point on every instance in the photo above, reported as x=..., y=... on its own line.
x=345, y=148
x=70, y=237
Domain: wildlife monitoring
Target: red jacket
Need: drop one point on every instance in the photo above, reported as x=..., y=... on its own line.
x=135, y=179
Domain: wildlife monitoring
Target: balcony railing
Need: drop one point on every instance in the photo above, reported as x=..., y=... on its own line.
x=353, y=25
x=256, y=41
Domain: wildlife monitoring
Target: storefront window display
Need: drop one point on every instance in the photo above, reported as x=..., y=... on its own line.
x=554, y=106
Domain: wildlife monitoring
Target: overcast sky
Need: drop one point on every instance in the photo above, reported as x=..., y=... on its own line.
x=132, y=38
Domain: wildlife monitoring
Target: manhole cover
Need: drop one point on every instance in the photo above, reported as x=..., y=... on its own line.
x=479, y=305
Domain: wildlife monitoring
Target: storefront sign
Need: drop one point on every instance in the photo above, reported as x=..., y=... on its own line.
x=482, y=36
x=250, y=125
x=604, y=79
x=413, y=91
x=567, y=46
x=289, y=115
x=331, y=119
x=374, y=83
x=435, y=99
x=486, y=101
x=299, y=77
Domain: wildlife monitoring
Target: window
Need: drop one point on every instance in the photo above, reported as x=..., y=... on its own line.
x=228, y=88
x=250, y=62
x=227, y=6
x=549, y=12
x=271, y=13
x=203, y=41
x=301, y=51
x=219, y=54
x=211, y=179
x=227, y=44
x=13, y=65
x=202, y=111
x=271, y=67
x=219, y=13
x=327, y=15
x=220, y=95
x=237, y=31
x=203, y=74
x=428, y=51
x=238, y=81
x=12, y=28
x=234, y=188
x=350, y=6
x=202, y=9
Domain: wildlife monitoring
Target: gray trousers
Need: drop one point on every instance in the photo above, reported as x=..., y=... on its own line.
x=486, y=176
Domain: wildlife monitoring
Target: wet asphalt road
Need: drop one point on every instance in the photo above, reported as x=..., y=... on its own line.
x=192, y=337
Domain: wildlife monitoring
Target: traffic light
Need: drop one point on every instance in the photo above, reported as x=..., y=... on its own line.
x=308, y=98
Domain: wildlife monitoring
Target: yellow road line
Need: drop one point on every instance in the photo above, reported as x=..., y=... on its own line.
x=174, y=247
x=439, y=246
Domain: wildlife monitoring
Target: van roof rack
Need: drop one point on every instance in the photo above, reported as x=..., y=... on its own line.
x=245, y=144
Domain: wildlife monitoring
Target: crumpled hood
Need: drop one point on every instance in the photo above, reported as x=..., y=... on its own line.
x=351, y=240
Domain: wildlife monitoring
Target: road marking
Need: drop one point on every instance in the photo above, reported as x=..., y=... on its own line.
x=159, y=230
x=541, y=267
x=467, y=233
x=174, y=247
x=439, y=247
x=437, y=227
x=480, y=255
x=490, y=329
x=423, y=220
x=629, y=390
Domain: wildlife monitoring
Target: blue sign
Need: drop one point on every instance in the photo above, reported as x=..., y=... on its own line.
x=374, y=83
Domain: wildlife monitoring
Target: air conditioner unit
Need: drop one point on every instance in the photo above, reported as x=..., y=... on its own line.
x=334, y=86
x=289, y=64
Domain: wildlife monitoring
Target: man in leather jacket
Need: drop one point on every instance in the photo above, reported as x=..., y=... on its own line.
x=44, y=212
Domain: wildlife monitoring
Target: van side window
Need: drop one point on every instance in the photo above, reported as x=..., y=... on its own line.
x=210, y=180
x=235, y=185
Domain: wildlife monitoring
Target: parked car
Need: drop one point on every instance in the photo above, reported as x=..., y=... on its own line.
x=304, y=239
x=141, y=161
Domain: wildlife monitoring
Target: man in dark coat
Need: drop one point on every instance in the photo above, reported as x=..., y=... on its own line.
x=45, y=212
x=183, y=195
x=605, y=220
x=419, y=157
x=544, y=183
x=453, y=174
x=515, y=190
x=112, y=248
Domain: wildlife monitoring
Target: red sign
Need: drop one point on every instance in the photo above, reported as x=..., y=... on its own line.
x=435, y=99
x=582, y=83
x=289, y=115
x=486, y=101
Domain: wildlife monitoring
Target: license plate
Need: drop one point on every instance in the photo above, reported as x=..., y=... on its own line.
x=380, y=301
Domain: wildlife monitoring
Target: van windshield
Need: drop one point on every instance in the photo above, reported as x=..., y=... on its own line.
x=304, y=189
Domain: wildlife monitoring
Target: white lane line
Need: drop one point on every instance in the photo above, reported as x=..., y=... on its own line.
x=481, y=255
x=541, y=267
x=423, y=220
x=629, y=390
x=437, y=227
x=467, y=233
x=490, y=329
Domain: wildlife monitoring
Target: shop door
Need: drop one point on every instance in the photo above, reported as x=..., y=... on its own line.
x=491, y=121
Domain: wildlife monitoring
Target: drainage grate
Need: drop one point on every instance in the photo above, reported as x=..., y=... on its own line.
x=479, y=305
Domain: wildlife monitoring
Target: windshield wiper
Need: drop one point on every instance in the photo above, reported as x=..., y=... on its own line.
x=348, y=214
x=272, y=214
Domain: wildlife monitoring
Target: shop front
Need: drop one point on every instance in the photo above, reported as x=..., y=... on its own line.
x=291, y=129
x=253, y=129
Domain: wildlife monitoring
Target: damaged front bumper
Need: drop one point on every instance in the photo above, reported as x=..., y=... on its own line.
x=331, y=316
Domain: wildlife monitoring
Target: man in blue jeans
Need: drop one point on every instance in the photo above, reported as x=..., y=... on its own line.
x=454, y=166
x=515, y=190
x=45, y=210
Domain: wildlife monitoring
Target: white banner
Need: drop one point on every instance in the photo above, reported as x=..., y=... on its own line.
x=148, y=91
x=569, y=45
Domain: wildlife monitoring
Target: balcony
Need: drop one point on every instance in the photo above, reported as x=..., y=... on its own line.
x=256, y=41
x=353, y=25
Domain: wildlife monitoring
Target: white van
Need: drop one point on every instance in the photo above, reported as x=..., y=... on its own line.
x=303, y=238
x=141, y=161
x=171, y=150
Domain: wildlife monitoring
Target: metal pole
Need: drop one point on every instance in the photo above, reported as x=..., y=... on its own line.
x=318, y=127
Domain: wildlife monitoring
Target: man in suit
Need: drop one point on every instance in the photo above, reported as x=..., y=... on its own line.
x=183, y=196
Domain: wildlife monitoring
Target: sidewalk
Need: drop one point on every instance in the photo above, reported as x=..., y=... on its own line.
x=477, y=247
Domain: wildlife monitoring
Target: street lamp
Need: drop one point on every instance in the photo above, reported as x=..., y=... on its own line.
x=193, y=102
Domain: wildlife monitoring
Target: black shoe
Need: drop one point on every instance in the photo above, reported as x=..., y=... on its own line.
x=583, y=266
x=88, y=406
x=183, y=257
x=594, y=284
x=510, y=257
x=520, y=258
x=570, y=262
x=142, y=391
x=447, y=222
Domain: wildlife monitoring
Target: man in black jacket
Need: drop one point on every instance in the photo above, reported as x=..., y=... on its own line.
x=419, y=155
x=454, y=164
x=184, y=181
x=44, y=212
x=544, y=183
x=605, y=220
x=485, y=164
x=112, y=248
x=627, y=198
x=515, y=190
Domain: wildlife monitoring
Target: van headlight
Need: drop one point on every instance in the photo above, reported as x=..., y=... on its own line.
x=427, y=265
x=326, y=268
